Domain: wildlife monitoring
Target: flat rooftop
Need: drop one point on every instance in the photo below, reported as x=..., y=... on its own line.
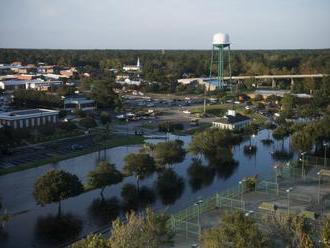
x=27, y=113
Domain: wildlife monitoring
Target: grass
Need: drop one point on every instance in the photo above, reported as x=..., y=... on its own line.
x=217, y=109
x=149, y=126
x=113, y=141
x=220, y=110
x=200, y=127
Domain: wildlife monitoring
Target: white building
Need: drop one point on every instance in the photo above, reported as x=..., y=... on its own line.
x=232, y=121
x=36, y=84
x=209, y=84
x=43, y=85
x=81, y=103
x=12, y=84
x=129, y=82
x=136, y=67
x=28, y=118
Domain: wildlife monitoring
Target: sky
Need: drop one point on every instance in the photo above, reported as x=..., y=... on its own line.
x=164, y=24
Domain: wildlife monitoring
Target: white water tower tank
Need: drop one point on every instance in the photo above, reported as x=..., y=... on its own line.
x=221, y=39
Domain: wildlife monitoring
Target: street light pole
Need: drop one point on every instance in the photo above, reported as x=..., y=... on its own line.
x=198, y=210
x=276, y=179
x=288, y=191
x=241, y=187
x=325, y=153
x=319, y=189
x=303, y=165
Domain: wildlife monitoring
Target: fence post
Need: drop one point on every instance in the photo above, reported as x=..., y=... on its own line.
x=217, y=200
x=173, y=224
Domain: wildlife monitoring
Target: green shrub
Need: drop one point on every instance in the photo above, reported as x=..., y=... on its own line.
x=67, y=126
x=170, y=127
x=87, y=122
x=105, y=117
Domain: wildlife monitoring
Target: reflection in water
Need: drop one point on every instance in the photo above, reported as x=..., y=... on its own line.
x=52, y=229
x=3, y=234
x=199, y=175
x=169, y=186
x=267, y=142
x=104, y=211
x=282, y=155
x=226, y=166
x=134, y=199
x=250, y=150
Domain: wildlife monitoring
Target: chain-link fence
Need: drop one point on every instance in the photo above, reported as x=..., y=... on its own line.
x=293, y=189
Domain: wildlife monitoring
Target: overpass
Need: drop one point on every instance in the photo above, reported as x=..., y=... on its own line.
x=206, y=81
x=277, y=76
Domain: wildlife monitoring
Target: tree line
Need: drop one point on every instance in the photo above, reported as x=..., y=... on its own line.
x=169, y=65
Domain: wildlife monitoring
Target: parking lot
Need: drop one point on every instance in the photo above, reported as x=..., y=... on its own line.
x=43, y=151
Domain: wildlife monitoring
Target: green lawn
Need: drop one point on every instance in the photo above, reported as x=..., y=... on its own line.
x=192, y=130
x=220, y=110
x=217, y=109
x=113, y=141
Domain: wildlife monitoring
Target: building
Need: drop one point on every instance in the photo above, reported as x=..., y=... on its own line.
x=36, y=84
x=28, y=118
x=69, y=73
x=210, y=84
x=81, y=103
x=232, y=121
x=136, y=67
x=44, y=69
x=129, y=82
x=24, y=69
x=43, y=85
x=26, y=76
x=13, y=84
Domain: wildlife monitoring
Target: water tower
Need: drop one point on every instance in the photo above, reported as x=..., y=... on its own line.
x=219, y=43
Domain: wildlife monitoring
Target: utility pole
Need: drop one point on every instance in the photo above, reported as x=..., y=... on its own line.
x=204, y=99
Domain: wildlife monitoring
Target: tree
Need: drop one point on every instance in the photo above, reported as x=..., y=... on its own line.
x=235, y=230
x=325, y=234
x=105, y=174
x=92, y=241
x=258, y=97
x=143, y=230
x=87, y=122
x=55, y=186
x=169, y=152
x=215, y=145
x=287, y=105
x=36, y=99
x=302, y=141
x=139, y=165
x=150, y=230
x=105, y=117
x=102, y=92
x=67, y=126
x=280, y=133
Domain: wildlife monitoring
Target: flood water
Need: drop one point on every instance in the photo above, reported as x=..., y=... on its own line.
x=27, y=228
